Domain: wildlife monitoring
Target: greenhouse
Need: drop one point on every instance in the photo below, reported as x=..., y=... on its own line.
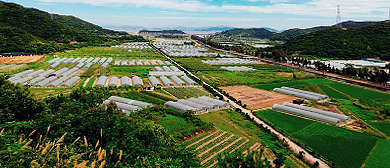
x=95, y=60
x=154, y=81
x=178, y=106
x=177, y=80
x=175, y=68
x=167, y=63
x=124, y=107
x=220, y=103
x=160, y=62
x=124, y=62
x=103, y=60
x=71, y=81
x=109, y=60
x=146, y=63
x=113, y=81
x=48, y=72
x=61, y=71
x=323, y=112
x=139, y=63
x=51, y=61
x=75, y=60
x=24, y=73
x=101, y=81
x=117, y=63
x=158, y=69
x=298, y=94
x=125, y=81
x=166, y=69
x=22, y=80
x=82, y=60
x=36, y=73
x=46, y=81
x=88, y=65
x=198, y=107
x=307, y=114
x=130, y=101
x=131, y=63
x=89, y=60
x=136, y=80
x=59, y=81
x=68, y=60
x=80, y=65
x=69, y=72
x=153, y=62
x=35, y=80
x=209, y=105
x=306, y=92
x=105, y=65
x=54, y=65
x=166, y=81
x=188, y=80
x=164, y=73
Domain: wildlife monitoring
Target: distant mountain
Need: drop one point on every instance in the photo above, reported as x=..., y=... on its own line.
x=272, y=34
x=213, y=29
x=161, y=32
x=372, y=40
x=80, y=24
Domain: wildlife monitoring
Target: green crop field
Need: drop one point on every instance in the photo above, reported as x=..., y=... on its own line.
x=175, y=125
x=188, y=92
x=362, y=114
x=123, y=70
x=111, y=52
x=383, y=127
x=344, y=147
x=198, y=91
x=380, y=155
x=331, y=93
x=357, y=92
x=288, y=123
x=90, y=82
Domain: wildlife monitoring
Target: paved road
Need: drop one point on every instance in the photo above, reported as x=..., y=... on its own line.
x=296, y=148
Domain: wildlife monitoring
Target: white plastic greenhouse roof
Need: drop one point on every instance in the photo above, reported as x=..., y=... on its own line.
x=101, y=81
x=166, y=81
x=71, y=81
x=130, y=101
x=314, y=110
x=188, y=80
x=102, y=60
x=154, y=81
x=46, y=81
x=298, y=94
x=125, y=81
x=75, y=60
x=61, y=71
x=59, y=81
x=113, y=81
x=48, y=72
x=136, y=80
x=179, y=106
x=177, y=80
x=104, y=65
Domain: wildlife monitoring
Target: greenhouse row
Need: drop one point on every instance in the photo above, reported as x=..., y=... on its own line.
x=165, y=73
x=299, y=111
x=127, y=105
x=140, y=62
x=198, y=105
x=168, y=82
x=226, y=61
x=301, y=93
x=342, y=117
x=114, y=81
x=167, y=69
x=80, y=61
x=238, y=68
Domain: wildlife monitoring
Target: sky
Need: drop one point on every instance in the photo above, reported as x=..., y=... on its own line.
x=276, y=14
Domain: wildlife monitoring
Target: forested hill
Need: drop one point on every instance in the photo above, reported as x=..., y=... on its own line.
x=264, y=33
x=80, y=24
x=369, y=41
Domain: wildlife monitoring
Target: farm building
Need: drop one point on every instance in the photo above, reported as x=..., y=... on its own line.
x=54, y=65
x=167, y=63
x=82, y=60
x=131, y=63
x=101, y=81
x=153, y=62
x=136, y=80
x=125, y=81
x=126, y=108
x=89, y=60
x=177, y=80
x=96, y=60
x=80, y=65
x=124, y=62
x=68, y=60
x=160, y=62
x=166, y=68
x=139, y=63
x=166, y=81
x=188, y=80
x=46, y=81
x=70, y=71
x=220, y=103
x=323, y=112
x=113, y=81
x=209, y=105
x=36, y=73
x=109, y=60
x=71, y=81
x=130, y=101
x=35, y=80
x=154, y=81
x=53, y=60
x=88, y=65
x=22, y=80
x=307, y=114
x=158, y=69
x=146, y=63
x=59, y=81
x=117, y=63
x=24, y=73
x=198, y=107
x=298, y=94
x=175, y=68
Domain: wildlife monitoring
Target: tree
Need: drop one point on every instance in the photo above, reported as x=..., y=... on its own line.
x=236, y=159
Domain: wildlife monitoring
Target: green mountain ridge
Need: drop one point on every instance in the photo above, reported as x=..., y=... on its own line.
x=369, y=41
x=266, y=34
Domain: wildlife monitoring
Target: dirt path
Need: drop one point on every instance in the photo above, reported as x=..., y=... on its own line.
x=220, y=151
x=86, y=82
x=219, y=143
x=210, y=141
x=200, y=140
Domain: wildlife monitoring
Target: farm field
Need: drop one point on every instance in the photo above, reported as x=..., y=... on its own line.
x=124, y=70
x=22, y=59
x=256, y=98
x=174, y=123
x=383, y=127
x=186, y=92
x=291, y=83
x=195, y=64
x=10, y=68
x=111, y=52
x=41, y=93
x=380, y=155
x=344, y=147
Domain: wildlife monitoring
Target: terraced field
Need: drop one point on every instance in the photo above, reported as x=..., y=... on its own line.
x=209, y=145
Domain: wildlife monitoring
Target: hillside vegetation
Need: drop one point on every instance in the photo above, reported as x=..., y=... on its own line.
x=267, y=34
x=369, y=41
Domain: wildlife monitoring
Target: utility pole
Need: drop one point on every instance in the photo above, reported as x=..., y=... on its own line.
x=51, y=14
x=338, y=19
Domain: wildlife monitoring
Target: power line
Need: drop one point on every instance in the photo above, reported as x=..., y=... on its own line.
x=51, y=14
x=338, y=19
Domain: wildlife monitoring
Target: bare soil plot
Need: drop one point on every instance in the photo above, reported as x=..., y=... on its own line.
x=22, y=59
x=256, y=98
